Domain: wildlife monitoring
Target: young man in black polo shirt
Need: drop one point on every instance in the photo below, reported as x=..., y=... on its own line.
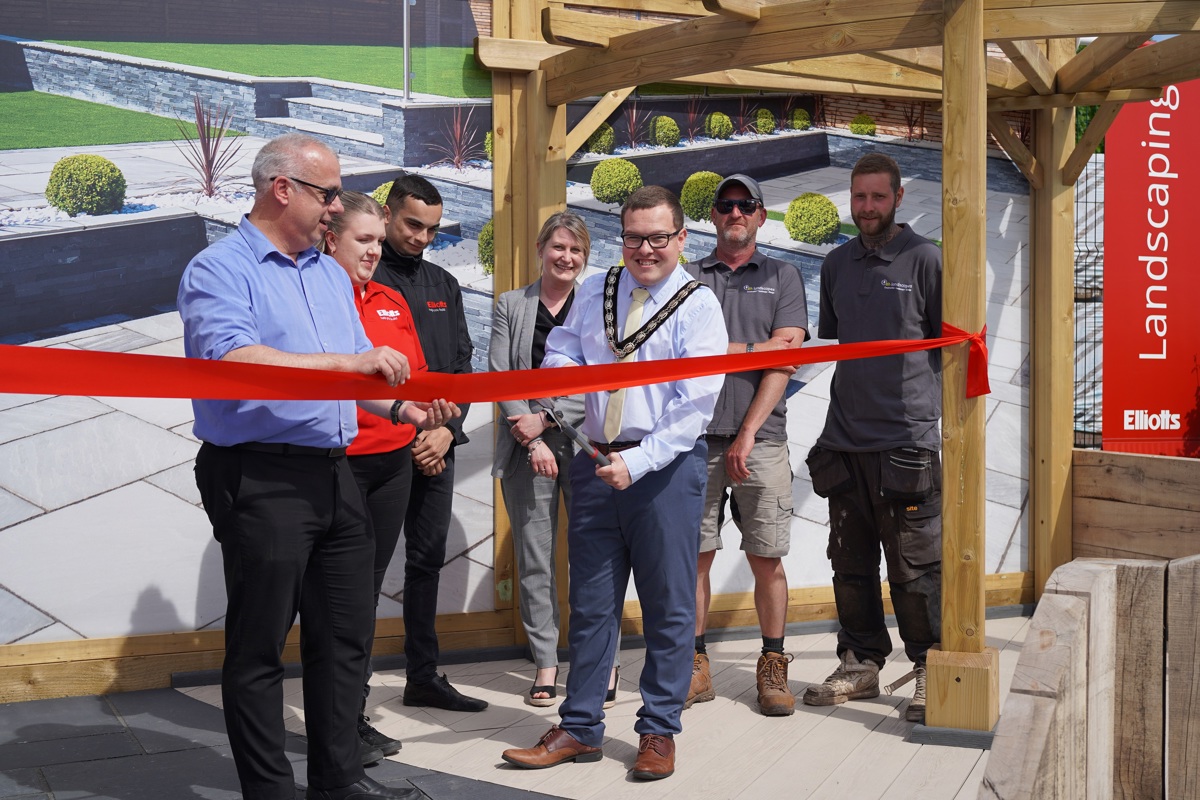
x=877, y=458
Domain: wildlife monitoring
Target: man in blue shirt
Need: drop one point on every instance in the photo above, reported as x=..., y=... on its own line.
x=274, y=477
x=642, y=512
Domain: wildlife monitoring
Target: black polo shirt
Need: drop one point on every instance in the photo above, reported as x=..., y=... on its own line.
x=760, y=296
x=893, y=293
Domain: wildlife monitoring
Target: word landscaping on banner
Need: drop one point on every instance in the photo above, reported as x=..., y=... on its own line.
x=1152, y=276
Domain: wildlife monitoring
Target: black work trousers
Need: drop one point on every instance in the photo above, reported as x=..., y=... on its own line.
x=294, y=538
x=426, y=526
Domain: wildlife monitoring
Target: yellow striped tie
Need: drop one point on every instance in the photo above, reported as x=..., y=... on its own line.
x=616, y=401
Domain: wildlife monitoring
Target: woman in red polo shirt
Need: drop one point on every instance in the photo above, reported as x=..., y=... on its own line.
x=380, y=455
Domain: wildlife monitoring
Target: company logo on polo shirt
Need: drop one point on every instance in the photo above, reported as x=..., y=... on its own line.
x=896, y=286
x=436, y=305
x=389, y=313
x=1142, y=420
x=748, y=289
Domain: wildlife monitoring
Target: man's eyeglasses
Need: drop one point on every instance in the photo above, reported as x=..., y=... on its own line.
x=657, y=240
x=745, y=206
x=327, y=195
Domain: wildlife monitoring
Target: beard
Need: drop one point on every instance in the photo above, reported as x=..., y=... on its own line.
x=876, y=226
x=735, y=237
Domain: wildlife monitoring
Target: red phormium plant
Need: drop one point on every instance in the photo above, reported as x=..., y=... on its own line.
x=746, y=122
x=695, y=119
x=212, y=152
x=636, y=121
x=461, y=144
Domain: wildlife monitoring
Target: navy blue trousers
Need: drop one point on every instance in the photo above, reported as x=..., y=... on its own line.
x=651, y=529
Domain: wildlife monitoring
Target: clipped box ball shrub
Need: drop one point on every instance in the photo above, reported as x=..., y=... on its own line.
x=603, y=141
x=487, y=147
x=614, y=179
x=86, y=184
x=487, y=247
x=764, y=121
x=812, y=218
x=718, y=125
x=666, y=131
x=696, y=196
x=801, y=121
x=381, y=192
x=863, y=125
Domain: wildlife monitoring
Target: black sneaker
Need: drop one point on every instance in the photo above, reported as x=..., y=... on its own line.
x=370, y=756
x=372, y=738
x=438, y=693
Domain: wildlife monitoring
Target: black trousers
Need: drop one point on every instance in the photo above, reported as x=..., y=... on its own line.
x=426, y=526
x=385, y=480
x=294, y=537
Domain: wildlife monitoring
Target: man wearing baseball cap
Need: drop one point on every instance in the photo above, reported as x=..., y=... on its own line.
x=762, y=299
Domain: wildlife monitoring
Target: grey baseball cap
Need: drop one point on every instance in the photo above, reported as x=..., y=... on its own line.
x=745, y=180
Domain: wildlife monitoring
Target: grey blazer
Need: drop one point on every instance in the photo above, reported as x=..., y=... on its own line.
x=512, y=348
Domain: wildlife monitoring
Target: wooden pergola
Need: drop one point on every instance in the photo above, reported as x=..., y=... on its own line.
x=546, y=54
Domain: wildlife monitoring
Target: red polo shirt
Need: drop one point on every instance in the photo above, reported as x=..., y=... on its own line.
x=388, y=323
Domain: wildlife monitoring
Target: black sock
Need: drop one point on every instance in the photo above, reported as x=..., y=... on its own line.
x=771, y=645
x=700, y=645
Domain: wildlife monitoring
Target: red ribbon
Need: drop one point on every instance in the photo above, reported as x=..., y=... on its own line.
x=43, y=370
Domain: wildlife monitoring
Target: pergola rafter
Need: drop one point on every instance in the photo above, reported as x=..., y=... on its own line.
x=548, y=53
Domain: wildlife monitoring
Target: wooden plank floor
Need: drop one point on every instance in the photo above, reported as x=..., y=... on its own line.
x=727, y=749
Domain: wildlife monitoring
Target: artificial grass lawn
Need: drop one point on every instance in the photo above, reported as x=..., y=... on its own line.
x=445, y=71
x=47, y=120
x=845, y=227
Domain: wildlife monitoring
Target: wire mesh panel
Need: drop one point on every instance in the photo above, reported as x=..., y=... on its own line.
x=1089, y=302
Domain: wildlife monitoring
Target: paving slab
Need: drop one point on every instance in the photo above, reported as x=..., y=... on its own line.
x=18, y=619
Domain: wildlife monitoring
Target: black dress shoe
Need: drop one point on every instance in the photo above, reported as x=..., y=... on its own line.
x=370, y=756
x=438, y=693
x=374, y=739
x=366, y=789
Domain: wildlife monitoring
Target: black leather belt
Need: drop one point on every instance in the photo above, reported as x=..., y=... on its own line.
x=282, y=449
x=614, y=447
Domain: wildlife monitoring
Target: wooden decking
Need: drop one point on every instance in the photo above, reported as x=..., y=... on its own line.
x=727, y=749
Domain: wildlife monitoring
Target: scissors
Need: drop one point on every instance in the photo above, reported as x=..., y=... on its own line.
x=570, y=430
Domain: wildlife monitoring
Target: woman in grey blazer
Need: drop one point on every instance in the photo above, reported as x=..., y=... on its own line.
x=532, y=455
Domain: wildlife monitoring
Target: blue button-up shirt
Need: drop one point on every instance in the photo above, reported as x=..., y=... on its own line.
x=243, y=291
x=668, y=417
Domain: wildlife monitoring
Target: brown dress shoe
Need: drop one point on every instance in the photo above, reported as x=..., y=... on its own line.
x=555, y=747
x=656, y=758
x=701, y=690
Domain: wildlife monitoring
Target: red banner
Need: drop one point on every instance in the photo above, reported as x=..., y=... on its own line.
x=1151, y=340
x=41, y=370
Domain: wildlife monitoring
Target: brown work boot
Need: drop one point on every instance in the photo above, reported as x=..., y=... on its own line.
x=701, y=690
x=656, y=757
x=852, y=680
x=775, y=699
x=916, y=707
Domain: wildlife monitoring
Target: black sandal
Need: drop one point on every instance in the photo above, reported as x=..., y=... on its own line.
x=551, y=692
x=610, y=699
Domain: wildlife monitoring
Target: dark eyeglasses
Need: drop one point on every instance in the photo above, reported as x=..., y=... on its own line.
x=727, y=206
x=657, y=240
x=327, y=195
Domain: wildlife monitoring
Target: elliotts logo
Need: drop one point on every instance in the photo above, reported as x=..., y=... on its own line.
x=388, y=313
x=436, y=305
x=1141, y=420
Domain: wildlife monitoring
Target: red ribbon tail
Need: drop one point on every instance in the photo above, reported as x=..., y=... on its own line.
x=977, y=359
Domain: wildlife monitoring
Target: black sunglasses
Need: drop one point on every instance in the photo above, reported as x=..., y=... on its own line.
x=727, y=206
x=327, y=195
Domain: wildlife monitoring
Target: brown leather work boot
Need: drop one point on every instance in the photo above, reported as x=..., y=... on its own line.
x=656, y=757
x=852, y=680
x=701, y=690
x=775, y=699
x=555, y=747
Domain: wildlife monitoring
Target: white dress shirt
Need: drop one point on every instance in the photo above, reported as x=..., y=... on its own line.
x=668, y=417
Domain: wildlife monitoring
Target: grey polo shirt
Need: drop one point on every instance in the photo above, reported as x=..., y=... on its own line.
x=894, y=293
x=760, y=296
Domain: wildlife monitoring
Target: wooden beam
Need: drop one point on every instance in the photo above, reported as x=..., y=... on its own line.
x=1096, y=59
x=695, y=46
x=565, y=27
x=513, y=55
x=1104, y=117
x=591, y=121
x=772, y=81
x=963, y=673
x=745, y=10
x=1037, y=102
x=1052, y=337
x=1031, y=62
x=1036, y=19
x=680, y=8
x=1016, y=149
x=1159, y=64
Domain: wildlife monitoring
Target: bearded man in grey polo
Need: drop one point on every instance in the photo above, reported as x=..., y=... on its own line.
x=764, y=306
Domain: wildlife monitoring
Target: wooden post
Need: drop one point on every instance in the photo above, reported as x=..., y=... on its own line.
x=963, y=674
x=1052, y=337
x=1183, y=678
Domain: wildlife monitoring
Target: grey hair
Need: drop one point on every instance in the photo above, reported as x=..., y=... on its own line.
x=283, y=155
